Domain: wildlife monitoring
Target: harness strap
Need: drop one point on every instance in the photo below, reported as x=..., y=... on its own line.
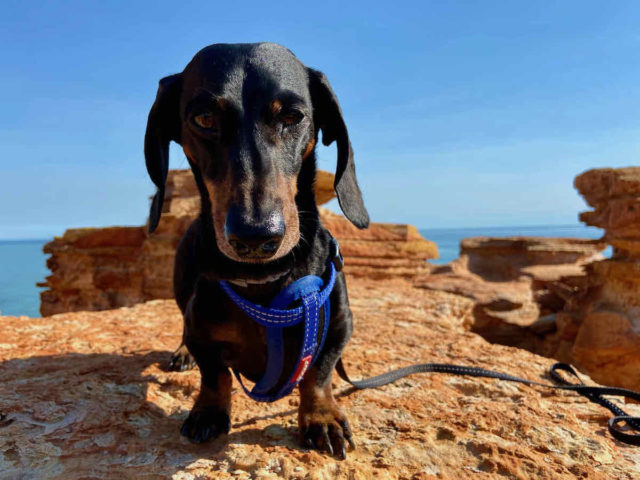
x=314, y=298
x=593, y=394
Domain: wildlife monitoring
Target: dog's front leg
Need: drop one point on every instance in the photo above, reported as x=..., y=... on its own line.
x=321, y=422
x=210, y=415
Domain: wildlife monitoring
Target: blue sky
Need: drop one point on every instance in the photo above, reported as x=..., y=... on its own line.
x=460, y=113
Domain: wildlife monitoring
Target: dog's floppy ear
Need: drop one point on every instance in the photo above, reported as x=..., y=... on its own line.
x=327, y=116
x=163, y=126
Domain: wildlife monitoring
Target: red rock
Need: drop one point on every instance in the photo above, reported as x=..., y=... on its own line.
x=508, y=258
x=381, y=251
x=600, y=326
x=85, y=395
x=515, y=283
x=102, y=268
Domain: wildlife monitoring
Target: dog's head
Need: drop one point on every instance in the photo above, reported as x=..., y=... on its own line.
x=247, y=117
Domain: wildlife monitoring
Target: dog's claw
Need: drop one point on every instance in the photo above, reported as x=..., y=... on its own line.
x=352, y=444
x=326, y=435
x=346, y=432
x=342, y=455
x=325, y=440
x=181, y=360
x=205, y=425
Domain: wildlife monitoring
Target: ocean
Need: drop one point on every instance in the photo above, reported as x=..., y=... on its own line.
x=22, y=262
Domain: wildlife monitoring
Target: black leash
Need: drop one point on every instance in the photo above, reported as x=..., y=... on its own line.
x=593, y=394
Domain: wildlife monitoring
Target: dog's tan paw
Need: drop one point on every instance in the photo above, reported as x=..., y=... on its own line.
x=326, y=429
x=181, y=360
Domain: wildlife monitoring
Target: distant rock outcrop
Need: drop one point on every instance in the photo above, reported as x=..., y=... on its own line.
x=600, y=327
x=559, y=297
x=103, y=268
x=515, y=282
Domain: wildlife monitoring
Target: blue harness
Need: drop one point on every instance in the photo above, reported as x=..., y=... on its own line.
x=313, y=296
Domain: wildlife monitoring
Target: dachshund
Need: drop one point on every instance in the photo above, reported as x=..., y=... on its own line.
x=248, y=117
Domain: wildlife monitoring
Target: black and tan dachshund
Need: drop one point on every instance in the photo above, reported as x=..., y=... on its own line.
x=248, y=117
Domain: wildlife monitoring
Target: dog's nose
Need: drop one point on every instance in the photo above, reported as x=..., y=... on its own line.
x=254, y=239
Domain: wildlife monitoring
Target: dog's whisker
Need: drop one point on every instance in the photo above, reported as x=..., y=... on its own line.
x=304, y=240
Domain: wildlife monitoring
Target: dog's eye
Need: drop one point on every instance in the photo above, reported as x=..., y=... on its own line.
x=205, y=120
x=291, y=118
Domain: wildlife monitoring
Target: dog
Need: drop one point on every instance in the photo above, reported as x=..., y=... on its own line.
x=248, y=118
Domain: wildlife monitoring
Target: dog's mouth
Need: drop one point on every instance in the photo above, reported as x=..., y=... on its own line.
x=247, y=282
x=241, y=253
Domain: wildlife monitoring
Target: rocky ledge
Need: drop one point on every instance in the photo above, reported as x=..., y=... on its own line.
x=85, y=395
x=599, y=328
x=102, y=268
x=518, y=284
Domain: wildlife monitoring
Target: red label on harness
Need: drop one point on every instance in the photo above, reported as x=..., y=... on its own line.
x=302, y=369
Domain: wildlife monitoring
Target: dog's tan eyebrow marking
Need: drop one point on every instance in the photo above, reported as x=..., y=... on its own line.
x=289, y=99
x=206, y=99
x=275, y=107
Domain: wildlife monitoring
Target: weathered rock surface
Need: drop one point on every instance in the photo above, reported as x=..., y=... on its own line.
x=383, y=250
x=559, y=297
x=102, y=268
x=516, y=283
x=599, y=329
x=84, y=395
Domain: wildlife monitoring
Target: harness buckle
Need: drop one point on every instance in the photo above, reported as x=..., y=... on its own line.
x=336, y=257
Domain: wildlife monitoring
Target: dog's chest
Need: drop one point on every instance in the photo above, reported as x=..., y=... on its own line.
x=243, y=343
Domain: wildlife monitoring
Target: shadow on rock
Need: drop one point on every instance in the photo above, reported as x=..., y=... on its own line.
x=118, y=416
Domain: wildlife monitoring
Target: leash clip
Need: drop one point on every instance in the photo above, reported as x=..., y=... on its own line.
x=335, y=256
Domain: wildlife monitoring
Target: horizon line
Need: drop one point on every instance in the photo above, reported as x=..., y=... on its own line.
x=492, y=227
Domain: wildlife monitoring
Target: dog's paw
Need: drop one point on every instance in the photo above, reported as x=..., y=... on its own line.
x=326, y=429
x=204, y=425
x=181, y=360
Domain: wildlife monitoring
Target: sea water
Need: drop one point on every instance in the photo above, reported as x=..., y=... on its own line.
x=22, y=264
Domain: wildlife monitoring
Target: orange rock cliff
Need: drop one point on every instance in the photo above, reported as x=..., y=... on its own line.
x=599, y=328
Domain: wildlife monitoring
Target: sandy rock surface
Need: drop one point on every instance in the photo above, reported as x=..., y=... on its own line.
x=85, y=395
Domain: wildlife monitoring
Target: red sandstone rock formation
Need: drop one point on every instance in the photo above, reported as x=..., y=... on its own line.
x=383, y=250
x=600, y=328
x=94, y=269
x=85, y=395
x=98, y=269
x=515, y=282
x=559, y=297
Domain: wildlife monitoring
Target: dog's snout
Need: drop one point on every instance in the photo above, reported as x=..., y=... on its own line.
x=254, y=239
